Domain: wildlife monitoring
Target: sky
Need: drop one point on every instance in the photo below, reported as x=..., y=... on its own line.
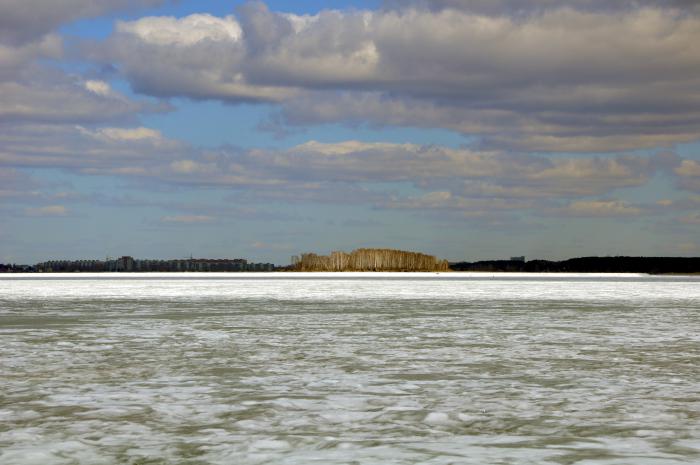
x=467, y=129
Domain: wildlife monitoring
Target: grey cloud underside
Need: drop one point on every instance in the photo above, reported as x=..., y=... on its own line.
x=14, y=60
x=559, y=80
x=63, y=101
x=144, y=152
x=46, y=95
x=15, y=184
x=126, y=151
x=33, y=89
x=528, y=7
x=502, y=128
x=22, y=195
x=24, y=21
x=453, y=180
x=688, y=172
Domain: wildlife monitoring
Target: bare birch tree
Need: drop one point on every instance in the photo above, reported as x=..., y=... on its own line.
x=370, y=260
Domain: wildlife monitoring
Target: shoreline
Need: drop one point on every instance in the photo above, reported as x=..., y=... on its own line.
x=348, y=272
x=350, y=275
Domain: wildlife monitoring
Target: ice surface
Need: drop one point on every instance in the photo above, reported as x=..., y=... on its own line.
x=290, y=368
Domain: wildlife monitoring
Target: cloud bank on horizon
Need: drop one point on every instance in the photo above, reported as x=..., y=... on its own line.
x=463, y=128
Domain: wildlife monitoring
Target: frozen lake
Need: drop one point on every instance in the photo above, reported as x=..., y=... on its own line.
x=367, y=368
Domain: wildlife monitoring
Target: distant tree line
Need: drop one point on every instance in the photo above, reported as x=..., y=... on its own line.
x=14, y=268
x=651, y=265
x=369, y=260
x=129, y=264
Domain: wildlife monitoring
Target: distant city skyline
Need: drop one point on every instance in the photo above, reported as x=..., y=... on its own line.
x=464, y=129
x=131, y=264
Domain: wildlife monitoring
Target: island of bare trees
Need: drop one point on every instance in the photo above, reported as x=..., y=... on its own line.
x=370, y=260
